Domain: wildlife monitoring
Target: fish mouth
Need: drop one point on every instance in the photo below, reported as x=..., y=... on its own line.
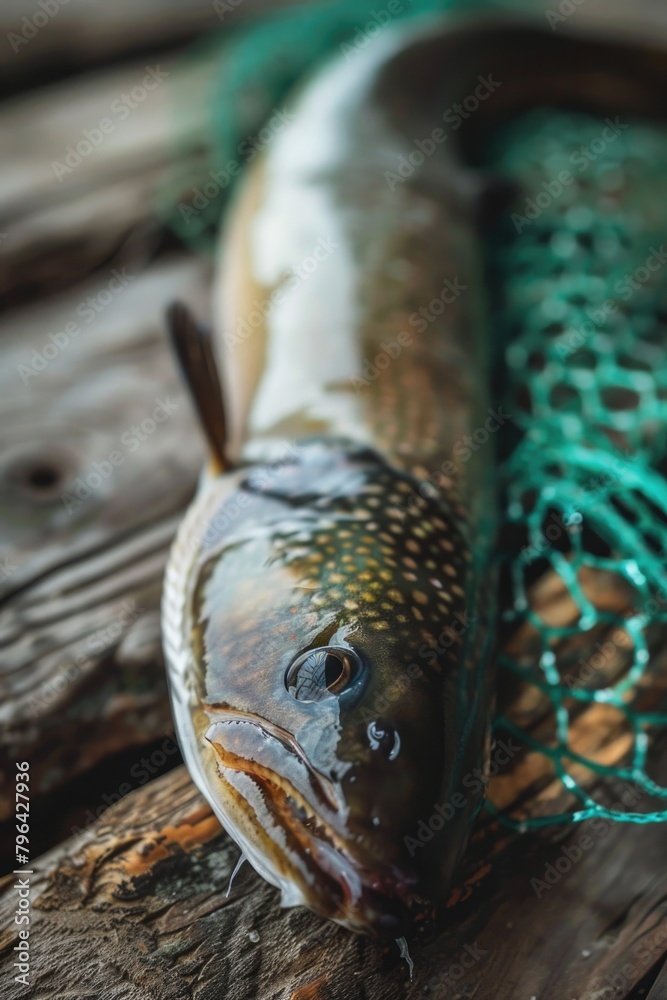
x=300, y=837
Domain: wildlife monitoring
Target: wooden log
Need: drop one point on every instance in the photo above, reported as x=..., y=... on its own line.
x=136, y=907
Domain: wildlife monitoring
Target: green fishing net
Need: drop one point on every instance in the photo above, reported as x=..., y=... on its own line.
x=580, y=271
x=579, y=317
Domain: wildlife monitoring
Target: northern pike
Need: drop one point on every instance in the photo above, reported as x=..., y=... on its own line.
x=329, y=601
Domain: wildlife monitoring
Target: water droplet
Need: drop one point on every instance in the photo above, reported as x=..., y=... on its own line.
x=384, y=738
x=403, y=948
x=374, y=735
x=253, y=936
x=234, y=874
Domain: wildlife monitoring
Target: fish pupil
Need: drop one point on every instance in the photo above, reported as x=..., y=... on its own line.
x=334, y=670
x=320, y=673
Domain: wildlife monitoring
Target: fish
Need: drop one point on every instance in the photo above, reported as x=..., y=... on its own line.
x=329, y=603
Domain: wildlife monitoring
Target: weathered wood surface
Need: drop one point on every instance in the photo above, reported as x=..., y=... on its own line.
x=84, y=541
x=63, y=214
x=81, y=676
x=81, y=672
x=137, y=906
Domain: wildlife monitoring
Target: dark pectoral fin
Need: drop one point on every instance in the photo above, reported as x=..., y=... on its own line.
x=193, y=344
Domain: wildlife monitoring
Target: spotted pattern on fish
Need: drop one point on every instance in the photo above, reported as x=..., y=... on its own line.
x=353, y=550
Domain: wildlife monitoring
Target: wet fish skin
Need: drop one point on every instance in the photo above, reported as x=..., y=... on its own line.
x=329, y=789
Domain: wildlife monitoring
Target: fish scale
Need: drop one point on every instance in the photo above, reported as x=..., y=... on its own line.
x=343, y=558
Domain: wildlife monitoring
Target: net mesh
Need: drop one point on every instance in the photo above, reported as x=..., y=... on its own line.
x=580, y=274
x=580, y=312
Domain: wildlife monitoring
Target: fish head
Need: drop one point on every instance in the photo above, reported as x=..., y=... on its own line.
x=328, y=634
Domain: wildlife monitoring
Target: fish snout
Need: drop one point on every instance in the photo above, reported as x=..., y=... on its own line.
x=341, y=871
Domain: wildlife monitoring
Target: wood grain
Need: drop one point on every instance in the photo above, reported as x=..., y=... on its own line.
x=81, y=670
x=70, y=203
x=137, y=905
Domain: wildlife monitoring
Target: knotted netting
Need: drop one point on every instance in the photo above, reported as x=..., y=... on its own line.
x=580, y=271
x=579, y=306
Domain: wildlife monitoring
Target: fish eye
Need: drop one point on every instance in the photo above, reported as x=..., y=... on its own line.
x=326, y=672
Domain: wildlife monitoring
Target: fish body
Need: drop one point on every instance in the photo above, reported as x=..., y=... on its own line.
x=329, y=598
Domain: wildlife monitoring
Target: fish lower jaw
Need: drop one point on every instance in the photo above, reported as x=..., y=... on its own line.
x=294, y=849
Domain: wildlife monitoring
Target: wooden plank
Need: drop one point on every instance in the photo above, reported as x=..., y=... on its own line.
x=142, y=130
x=81, y=675
x=83, y=541
x=74, y=194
